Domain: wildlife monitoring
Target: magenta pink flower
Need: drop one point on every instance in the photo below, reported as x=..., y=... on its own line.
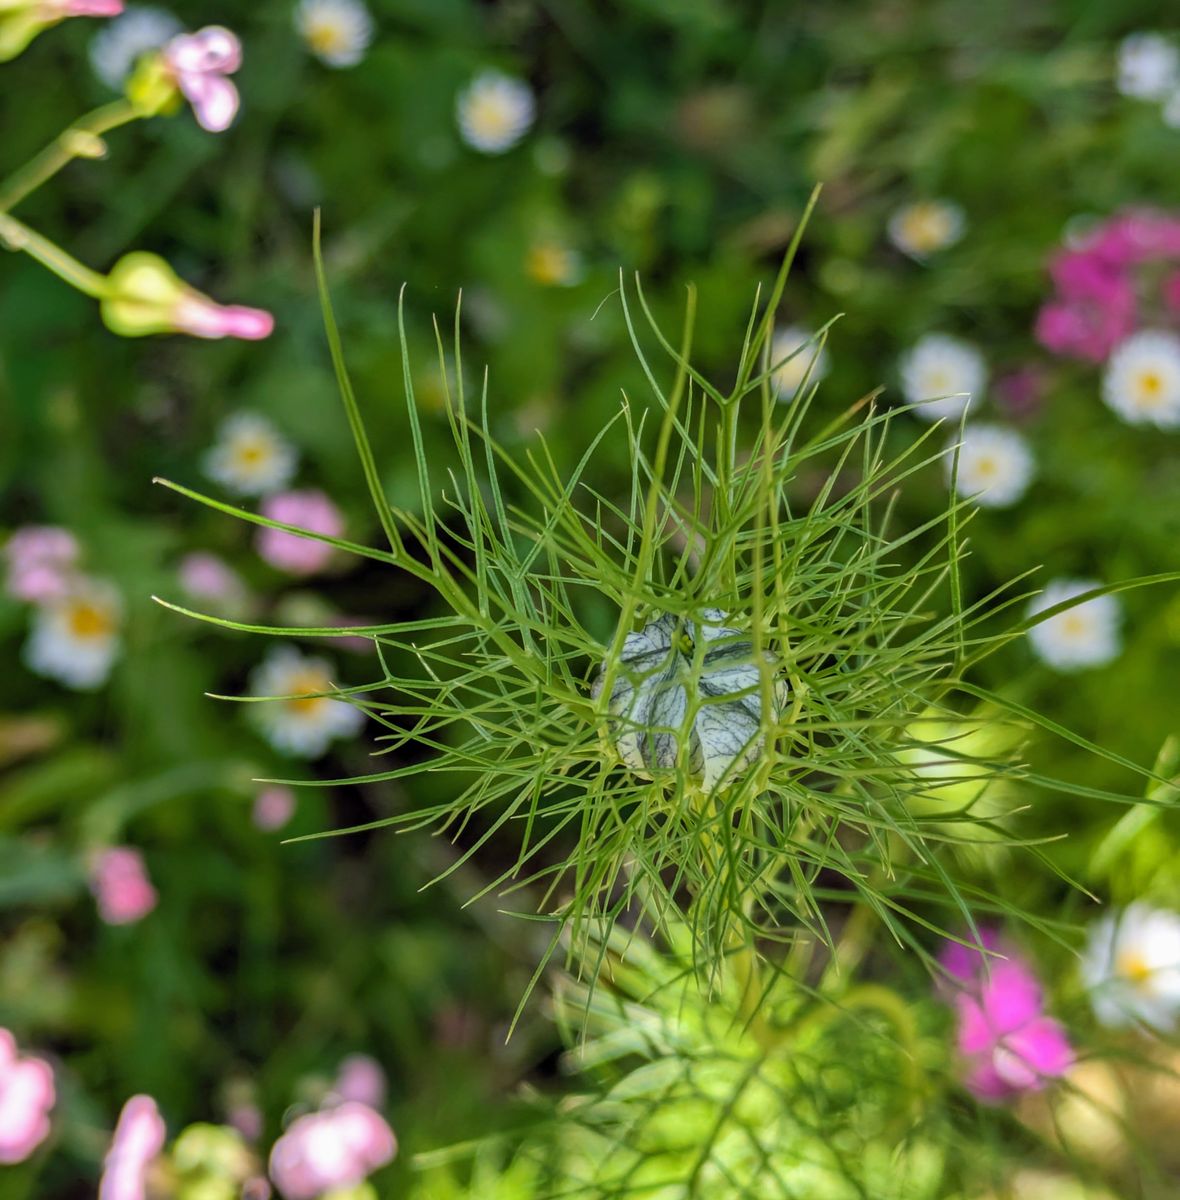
x=966, y=961
x=138, y=1139
x=273, y=807
x=1094, y=309
x=1008, y=1044
x=121, y=887
x=87, y=8
x=361, y=1078
x=311, y=510
x=41, y=561
x=333, y=1148
x=200, y=62
x=26, y=1096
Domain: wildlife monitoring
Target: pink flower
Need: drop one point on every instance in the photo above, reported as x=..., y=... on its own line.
x=204, y=576
x=1019, y=392
x=361, y=1078
x=333, y=1148
x=26, y=1096
x=273, y=807
x=200, y=62
x=246, y=1118
x=144, y=295
x=966, y=961
x=139, y=1138
x=1008, y=1044
x=40, y=561
x=1094, y=309
x=310, y=510
x=119, y=881
x=86, y=8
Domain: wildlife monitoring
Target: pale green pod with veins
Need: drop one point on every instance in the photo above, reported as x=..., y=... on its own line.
x=697, y=679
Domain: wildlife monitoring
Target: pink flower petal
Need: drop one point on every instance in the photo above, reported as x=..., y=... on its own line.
x=139, y=1137
x=214, y=100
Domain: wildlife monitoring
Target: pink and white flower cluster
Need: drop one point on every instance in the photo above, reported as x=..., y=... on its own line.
x=1006, y=1042
x=26, y=1098
x=1120, y=275
x=336, y=1147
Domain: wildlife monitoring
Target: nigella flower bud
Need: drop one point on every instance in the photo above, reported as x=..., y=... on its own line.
x=144, y=295
x=694, y=679
x=22, y=20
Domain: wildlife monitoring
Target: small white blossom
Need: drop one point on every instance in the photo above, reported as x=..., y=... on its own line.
x=120, y=43
x=811, y=362
x=494, y=112
x=1086, y=635
x=75, y=637
x=250, y=457
x=1132, y=967
x=995, y=465
x=308, y=722
x=943, y=375
x=1148, y=67
x=925, y=227
x=337, y=32
x=1142, y=380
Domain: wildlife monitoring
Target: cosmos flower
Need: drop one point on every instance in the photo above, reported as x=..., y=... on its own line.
x=121, y=887
x=75, y=637
x=1142, y=380
x=273, y=808
x=943, y=375
x=803, y=361
x=119, y=45
x=337, y=32
x=924, y=227
x=139, y=1137
x=1132, y=967
x=333, y=1148
x=22, y=20
x=26, y=1098
x=1086, y=635
x=199, y=64
x=40, y=561
x=494, y=112
x=995, y=465
x=305, y=724
x=144, y=295
x=250, y=456
x=1148, y=66
x=308, y=509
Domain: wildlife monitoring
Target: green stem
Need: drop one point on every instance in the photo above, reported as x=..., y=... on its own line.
x=83, y=139
x=15, y=235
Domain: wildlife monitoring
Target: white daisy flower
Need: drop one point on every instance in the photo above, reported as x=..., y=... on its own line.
x=495, y=111
x=250, y=456
x=305, y=725
x=925, y=227
x=337, y=32
x=943, y=374
x=1142, y=380
x=120, y=43
x=995, y=465
x=811, y=362
x=1132, y=967
x=75, y=637
x=1148, y=66
x=1086, y=635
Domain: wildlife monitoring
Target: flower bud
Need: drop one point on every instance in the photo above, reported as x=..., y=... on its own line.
x=144, y=295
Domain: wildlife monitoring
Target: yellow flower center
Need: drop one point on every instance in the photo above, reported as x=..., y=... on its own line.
x=987, y=467
x=1074, y=625
x=1134, y=968
x=1151, y=388
x=548, y=264
x=89, y=621
x=489, y=116
x=251, y=453
x=925, y=227
x=324, y=37
x=306, y=684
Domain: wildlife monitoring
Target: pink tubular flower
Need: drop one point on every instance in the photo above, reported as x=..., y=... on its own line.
x=361, y=1078
x=1008, y=1044
x=119, y=881
x=199, y=63
x=40, y=561
x=311, y=510
x=139, y=1138
x=26, y=1096
x=333, y=1148
x=273, y=807
x=144, y=295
